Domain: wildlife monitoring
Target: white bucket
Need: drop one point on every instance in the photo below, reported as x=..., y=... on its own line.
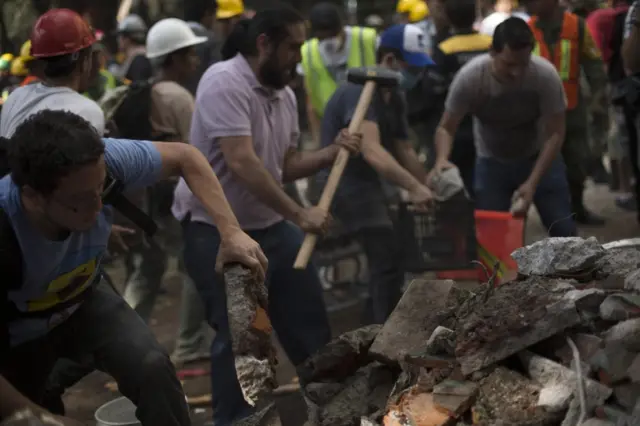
x=119, y=412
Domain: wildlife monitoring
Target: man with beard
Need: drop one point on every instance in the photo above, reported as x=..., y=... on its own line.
x=246, y=122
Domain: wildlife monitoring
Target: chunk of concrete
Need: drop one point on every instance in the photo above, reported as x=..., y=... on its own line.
x=597, y=422
x=632, y=281
x=611, y=363
x=558, y=256
x=555, y=398
x=550, y=373
x=508, y=398
x=627, y=395
x=625, y=334
x=620, y=307
x=633, y=372
x=417, y=409
x=321, y=393
x=615, y=266
x=340, y=358
x=455, y=398
x=413, y=321
x=487, y=340
x=587, y=300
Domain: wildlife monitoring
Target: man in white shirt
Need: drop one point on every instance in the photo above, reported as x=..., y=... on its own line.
x=63, y=41
x=502, y=10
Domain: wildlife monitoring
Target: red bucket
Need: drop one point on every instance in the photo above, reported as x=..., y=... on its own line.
x=498, y=234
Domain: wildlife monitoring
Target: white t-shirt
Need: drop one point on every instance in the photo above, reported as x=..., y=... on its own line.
x=28, y=100
x=490, y=23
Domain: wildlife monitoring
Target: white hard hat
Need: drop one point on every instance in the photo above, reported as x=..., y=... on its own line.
x=132, y=24
x=170, y=35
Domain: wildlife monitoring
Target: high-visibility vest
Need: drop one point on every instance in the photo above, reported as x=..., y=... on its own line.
x=566, y=56
x=320, y=84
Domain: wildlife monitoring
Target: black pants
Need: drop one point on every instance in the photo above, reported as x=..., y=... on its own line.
x=107, y=333
x=386, y=277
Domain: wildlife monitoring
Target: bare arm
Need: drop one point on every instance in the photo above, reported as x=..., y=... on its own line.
x=445, y=133
x=382, y=161
x=408, y=158
x=301, y=164
x=179, y=159
x=555, y=128
x=247, y=167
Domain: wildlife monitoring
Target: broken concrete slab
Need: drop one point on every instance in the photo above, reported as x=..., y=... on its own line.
x=625, y=334
x=439, y=352
x=413, y=321
x=321, y=393
x=550, y=373
x=250, y=329
x=558, y=256
x=611, y=363
x=627, y=395
x=509, y=398
x=615, y=266
x=555, y=398
x=632, y=281
x=587, y=300
x=633, y=372
x=359, y=398
x=517, y=316
x=620, y=307
x=611, y=413
x=454, y=397
x=597, y=422
x=340, y=358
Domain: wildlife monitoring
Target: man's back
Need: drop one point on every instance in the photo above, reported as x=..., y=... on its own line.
x=507, y=114
x=32, y=98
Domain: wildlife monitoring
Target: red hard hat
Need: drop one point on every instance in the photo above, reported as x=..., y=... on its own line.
x=60, y=32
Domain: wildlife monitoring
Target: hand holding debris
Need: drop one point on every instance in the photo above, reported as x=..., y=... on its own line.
x=241, y=248
x=522, y=199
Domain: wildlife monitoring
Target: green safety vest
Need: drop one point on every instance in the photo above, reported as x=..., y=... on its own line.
x=320, y=85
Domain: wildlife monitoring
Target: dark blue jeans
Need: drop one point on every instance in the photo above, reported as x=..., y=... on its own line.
x=296, y=306
x=496, y=181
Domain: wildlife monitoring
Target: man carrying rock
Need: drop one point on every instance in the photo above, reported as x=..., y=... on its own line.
x=518, y=104
x=246, y=121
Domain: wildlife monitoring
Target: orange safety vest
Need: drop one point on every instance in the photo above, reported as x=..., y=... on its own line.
x=566, y=56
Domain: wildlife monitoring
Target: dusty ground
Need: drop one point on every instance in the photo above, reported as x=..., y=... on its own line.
x=83, y=399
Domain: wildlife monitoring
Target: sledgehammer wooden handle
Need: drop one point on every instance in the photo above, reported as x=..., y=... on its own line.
x=336, y=173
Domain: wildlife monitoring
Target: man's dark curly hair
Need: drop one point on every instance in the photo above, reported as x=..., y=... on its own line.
x=49, y=146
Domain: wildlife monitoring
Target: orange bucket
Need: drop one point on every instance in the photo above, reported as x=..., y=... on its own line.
x=498, y=234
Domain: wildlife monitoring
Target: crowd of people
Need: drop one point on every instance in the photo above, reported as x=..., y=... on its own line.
x=186, y=143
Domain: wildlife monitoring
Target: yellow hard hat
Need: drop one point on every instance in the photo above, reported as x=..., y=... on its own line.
x=18, y=67
x=419, y=12
x=25, y=51
x=229, y=8
x=405, y=6
x=5, y=61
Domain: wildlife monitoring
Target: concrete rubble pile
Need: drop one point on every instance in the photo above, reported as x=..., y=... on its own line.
x=496, y=355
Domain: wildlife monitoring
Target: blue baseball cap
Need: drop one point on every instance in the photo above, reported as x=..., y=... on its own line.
x=410, y=40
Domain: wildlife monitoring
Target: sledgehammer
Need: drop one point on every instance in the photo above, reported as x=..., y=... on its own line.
x=371, y=78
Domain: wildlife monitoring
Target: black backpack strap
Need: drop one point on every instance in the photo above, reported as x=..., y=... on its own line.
x=11, y=266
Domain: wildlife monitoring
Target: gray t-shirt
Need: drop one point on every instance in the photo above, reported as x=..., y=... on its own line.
x=28, y=100
x=508, y=118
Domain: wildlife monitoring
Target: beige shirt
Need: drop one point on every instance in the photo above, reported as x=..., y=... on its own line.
x=171, y=111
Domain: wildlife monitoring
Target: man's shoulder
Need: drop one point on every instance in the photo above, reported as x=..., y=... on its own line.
x=223, y=74
x=540, y=65
x=476, y=65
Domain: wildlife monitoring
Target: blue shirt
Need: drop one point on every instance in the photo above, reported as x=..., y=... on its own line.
x=51, y=267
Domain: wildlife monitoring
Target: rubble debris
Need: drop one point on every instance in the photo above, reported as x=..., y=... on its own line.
x=250, y=328
x=454, y=397
x=26, y=417
x=587, y=345
x=509, y=397
x=587, y=300
x=265, y=416
x=520, y=314
x=632, y=281
x=627, y=395
x=615, y=266
x=611, y=413
x=321, y=393
x=417, y=409
x=360, y=397
x=559, y=257
x=555, y=398
x=633, y=372
x=611, y=363
x=625, y=334
x=549, y=373
x=620, y=307
x=439, y=351
x=597, y=422
x=340, y=358
x=413, y=320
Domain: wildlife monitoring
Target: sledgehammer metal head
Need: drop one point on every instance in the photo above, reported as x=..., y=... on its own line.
x=383, y=77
